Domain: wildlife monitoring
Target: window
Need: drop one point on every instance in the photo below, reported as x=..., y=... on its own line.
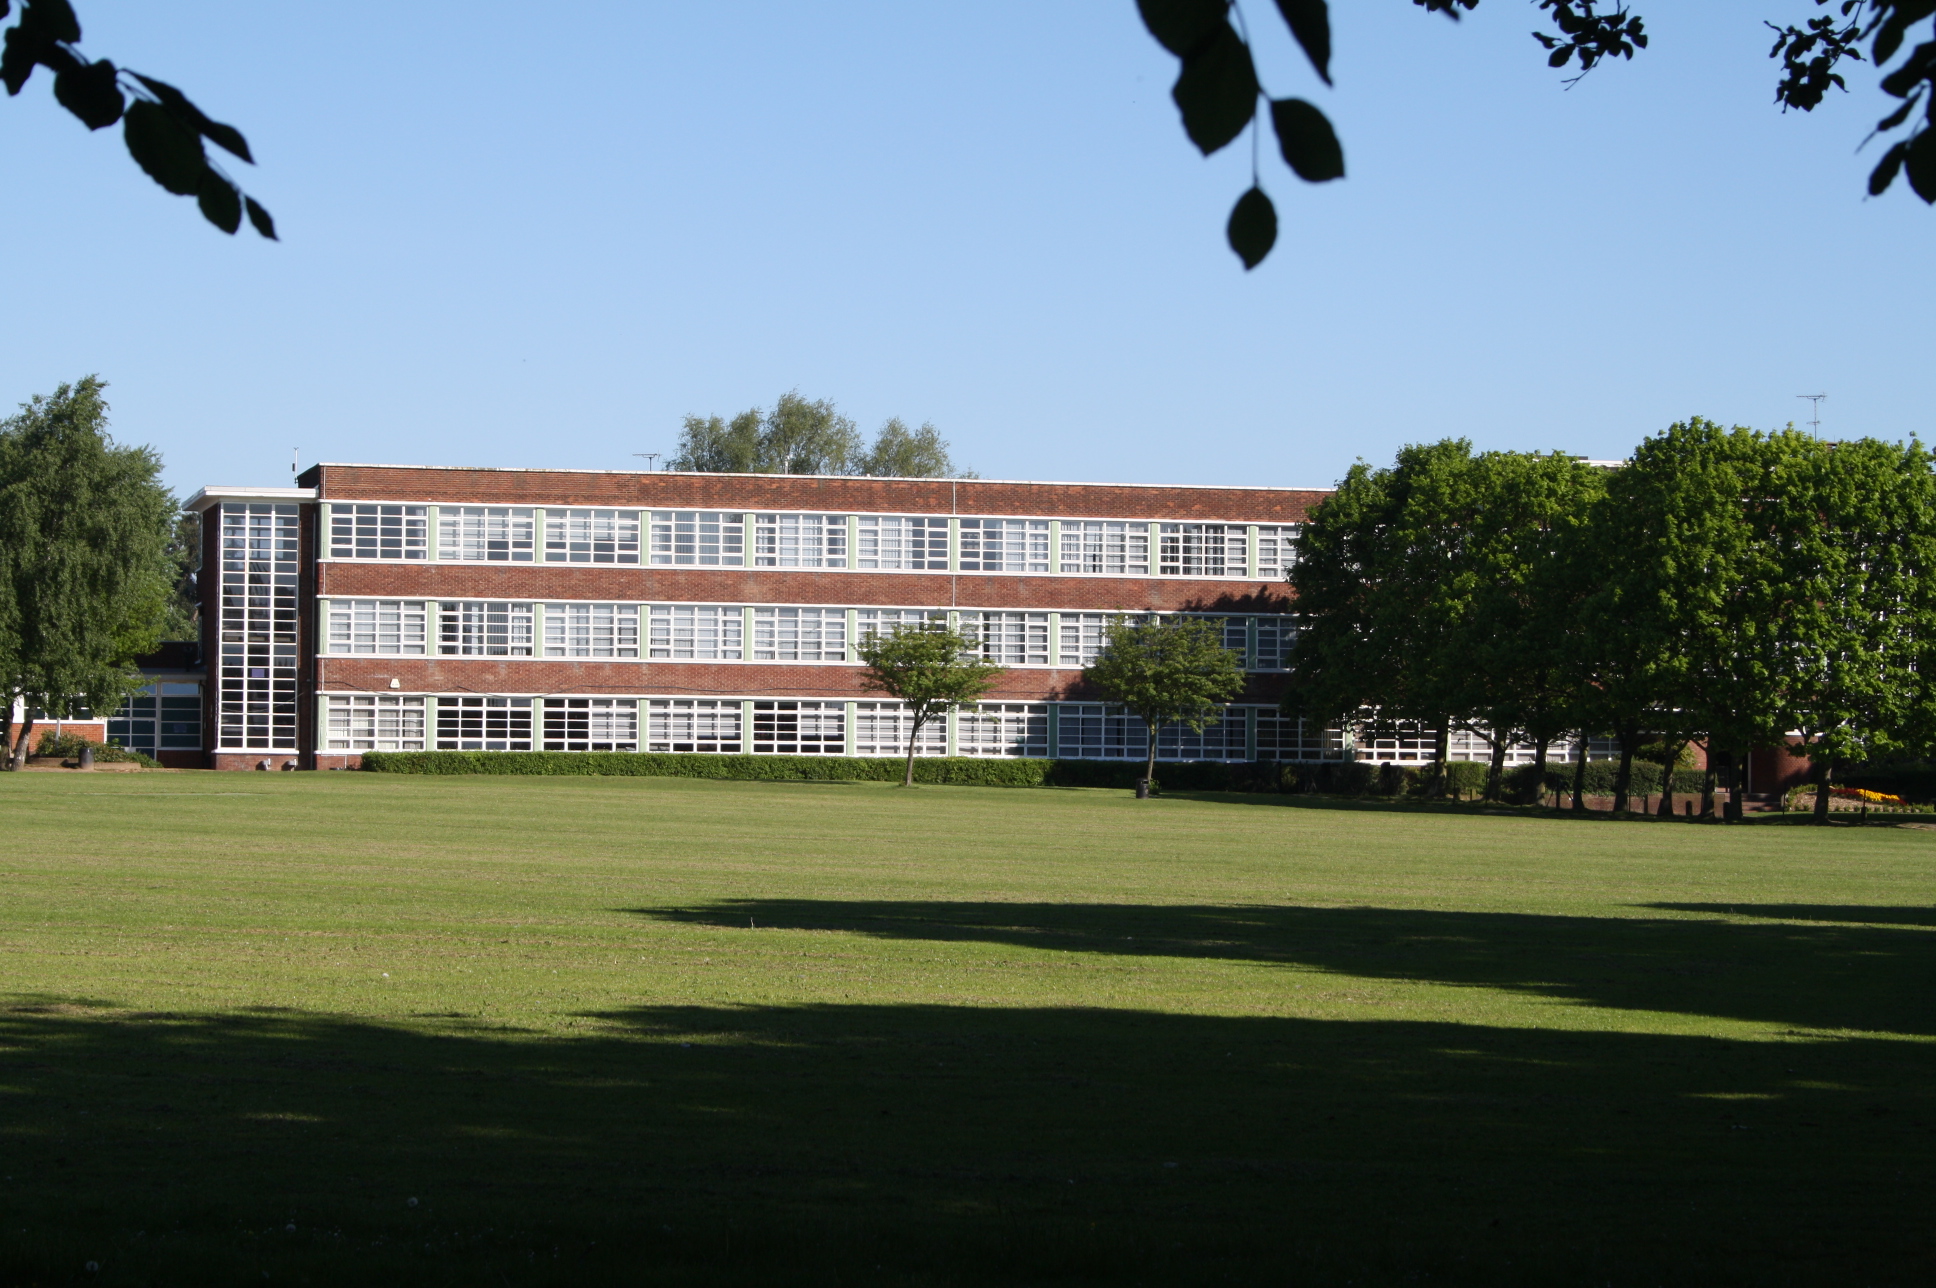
x=359, y=531
x=882, y=729
x=1204, y=550
x=1463, y=744
x=481, y=628
x=1100, y=547
x=591, y=630
x=1281, y=737
x=898, y=541
x=591, y=724
x=786, y=728
x=1275, y=635
x=876, y=621
x=1276, y=551
x=374, y=722
x=394, y=626
x=1090, y=731
x=693, y=724
x=1003, y=729
x=164, y=716
x=1005, y=545
x=1084, y=634
x=256, y=703
x=1010, y=639
x=800, y=634
x=1405, y=742
x=484, y=724
x=1236, y=635
x=1224, y=740
x=698, y=538
x=592, y=536
x=701, y=631
x=484, y=533
x=800, y=541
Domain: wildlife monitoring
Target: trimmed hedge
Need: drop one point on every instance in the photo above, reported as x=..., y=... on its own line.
x=958, y=770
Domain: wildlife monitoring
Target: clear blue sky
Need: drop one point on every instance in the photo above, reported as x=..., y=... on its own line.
x=539, y=236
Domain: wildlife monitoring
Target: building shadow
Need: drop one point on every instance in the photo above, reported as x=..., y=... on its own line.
x=952, y=1144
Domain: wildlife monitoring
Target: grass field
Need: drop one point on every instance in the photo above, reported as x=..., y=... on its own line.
x=338, y=1028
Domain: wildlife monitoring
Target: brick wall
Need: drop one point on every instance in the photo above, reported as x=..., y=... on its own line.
x=785, y=492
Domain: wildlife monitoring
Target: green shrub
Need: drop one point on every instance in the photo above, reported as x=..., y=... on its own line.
x=1911, y=780
x=68, y=747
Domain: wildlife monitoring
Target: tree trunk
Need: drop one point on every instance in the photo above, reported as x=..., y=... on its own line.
x=1149, y=765
x=1823, y=771
x=6, y=731
x=1539, y=769
x=1579, y=775
x=1497, y=769
x=25, y=746
x=1737, y=785
x=1441, y=749
x=1667, y=778
x=914, y=736
x=1623, y=779
x=1708, y=777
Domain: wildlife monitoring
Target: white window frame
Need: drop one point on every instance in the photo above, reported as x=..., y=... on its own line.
x=782, y=633
x=696, y=632
x=698, y=539
x=373, y=722
x=1104, y=548
x=377, y=627
x=1005, y=545
x=591, y=535
x=588, y=629
x=902, y=542
x=485, y=534
x=785, y=539
x=378, y=530
x=483, y=628
x=702, y=725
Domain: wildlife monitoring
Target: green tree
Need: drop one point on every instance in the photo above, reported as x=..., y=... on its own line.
x=1167, y=671
x=802, y=437
x=1218, y=91
x=182, y=618
x=929, y=667
x=1853, y=639
x=163, y=130
x=85, y=578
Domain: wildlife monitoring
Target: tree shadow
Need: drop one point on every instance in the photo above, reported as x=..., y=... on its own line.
x=1865, y=978
x=1857, y=913
x=952, y=1145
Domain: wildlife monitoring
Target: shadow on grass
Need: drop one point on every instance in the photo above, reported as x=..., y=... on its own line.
x=1857, y=913
x=1866, y=978
x=952, y=1145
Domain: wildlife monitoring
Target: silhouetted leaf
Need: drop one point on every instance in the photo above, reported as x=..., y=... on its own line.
x=1217, y=91
x=1559, y=56
x=1310, y=22
x=1896, y=117
x=259, y=219
x=17, y=58
x=89, y=91
x=223, y=136
x=1885, y=172
x=52, y=18
x=1182, y=26
x=1920, y=165
x=1253, y=228
x=168, y=150
x=221, y=204
x=1309, y=144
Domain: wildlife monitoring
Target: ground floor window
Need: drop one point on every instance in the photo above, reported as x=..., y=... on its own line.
x=1003, y=729
x=883, y=728
x=164, y=716
x=785, y=728
x=374, y=722
x=591, y=724
x=484, y=724
x=693, y=724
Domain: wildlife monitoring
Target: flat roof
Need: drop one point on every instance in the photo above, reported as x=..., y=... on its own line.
x=722, y=474
x=217, y=492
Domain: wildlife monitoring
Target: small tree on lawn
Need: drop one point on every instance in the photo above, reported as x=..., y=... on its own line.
x=927, y=666
x=1168, y=671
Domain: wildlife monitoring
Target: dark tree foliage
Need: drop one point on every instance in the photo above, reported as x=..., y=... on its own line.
x=163, y=130
x=802, y=437
x=1219, y=93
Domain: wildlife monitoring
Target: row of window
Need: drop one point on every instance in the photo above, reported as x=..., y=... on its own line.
x=722, y=632
x=725, y=539
x=1088, y=731
x=256, y=665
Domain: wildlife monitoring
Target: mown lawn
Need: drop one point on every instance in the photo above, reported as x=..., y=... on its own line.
x=337, y=1028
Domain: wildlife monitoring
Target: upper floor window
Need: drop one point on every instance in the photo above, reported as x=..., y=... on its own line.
x=880, y=621
x=1010, y=639
x=1204, y=550
x=484, y=533
x=1005, y=545
x=479, y=628
x=1276, y=550
x=700, y=631
x=360, y=531
x=903, y=541
x=377, y=626
x=800, y=540
x=592, y=536
x=1104, y=547
x=800, y=634
x=698, y=539
x=591, y=630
